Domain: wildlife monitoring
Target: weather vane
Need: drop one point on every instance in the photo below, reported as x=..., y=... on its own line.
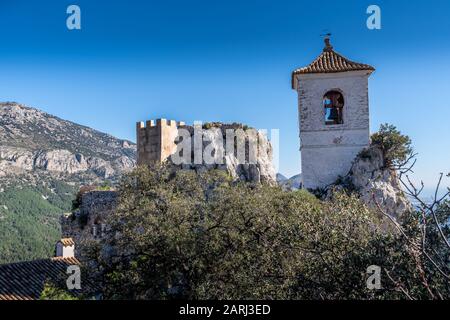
x=327, y=34
x=326, y=37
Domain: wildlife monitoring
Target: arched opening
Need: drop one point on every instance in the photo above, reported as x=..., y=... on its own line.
x=333, y=103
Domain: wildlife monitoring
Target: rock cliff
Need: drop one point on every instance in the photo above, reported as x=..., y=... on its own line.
x=32, y=141
x=43, y=161
x=376, y=185
x=215, y=140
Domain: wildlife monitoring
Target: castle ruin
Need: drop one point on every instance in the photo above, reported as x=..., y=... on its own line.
x=156, y=140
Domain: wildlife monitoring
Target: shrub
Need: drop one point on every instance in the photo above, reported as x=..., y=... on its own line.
x=178, y=234
x=184, y=235
x=395, y=146
x=52, y=292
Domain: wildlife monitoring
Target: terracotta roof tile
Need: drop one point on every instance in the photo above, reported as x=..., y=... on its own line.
x=330, y=61
x=25, y=280
x=67, y=242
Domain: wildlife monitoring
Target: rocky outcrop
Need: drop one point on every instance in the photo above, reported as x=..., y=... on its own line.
x=375, y=184
x=43, y=162
x=257, y=170
x=34, y=141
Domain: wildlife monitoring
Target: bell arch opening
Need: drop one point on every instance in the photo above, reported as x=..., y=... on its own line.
x=333, y=103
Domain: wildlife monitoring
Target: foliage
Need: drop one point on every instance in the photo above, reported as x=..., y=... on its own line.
x=184, y=235
x=395, y=146
x=29, y=220
x=210, y=125
x=106, y=186
x=426, y=236
x=52, y=292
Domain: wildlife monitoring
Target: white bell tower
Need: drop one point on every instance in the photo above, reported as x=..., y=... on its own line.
x=333, y=107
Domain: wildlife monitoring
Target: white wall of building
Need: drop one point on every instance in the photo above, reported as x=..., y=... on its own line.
x=328, y=151
x=65, y=251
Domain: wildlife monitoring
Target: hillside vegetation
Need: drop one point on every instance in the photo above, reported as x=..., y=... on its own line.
x=190, y=236
x=29, y=220
x=179, y=234
x=43, y=162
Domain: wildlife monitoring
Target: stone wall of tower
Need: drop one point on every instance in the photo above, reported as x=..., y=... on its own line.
x=327, y=151
x=87, y=224
x=156, y=140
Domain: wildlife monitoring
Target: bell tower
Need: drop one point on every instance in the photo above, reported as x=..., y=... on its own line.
x=333, y=107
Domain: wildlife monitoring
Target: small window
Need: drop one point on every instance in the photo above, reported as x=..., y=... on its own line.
x=333, y=102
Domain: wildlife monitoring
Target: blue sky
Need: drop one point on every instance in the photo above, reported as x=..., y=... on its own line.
x=226, y=61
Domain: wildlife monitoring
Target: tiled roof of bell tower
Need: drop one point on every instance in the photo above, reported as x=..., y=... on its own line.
x=330, y=61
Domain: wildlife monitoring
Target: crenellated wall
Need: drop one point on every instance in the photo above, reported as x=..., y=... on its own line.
x=156, y=140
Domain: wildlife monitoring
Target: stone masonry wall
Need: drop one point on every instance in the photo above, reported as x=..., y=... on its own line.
x=155, y=140
x=158, y=141
x=328, y=151
x=87, y=223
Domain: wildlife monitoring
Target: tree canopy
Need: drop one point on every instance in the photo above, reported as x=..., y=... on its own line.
x=180, y=234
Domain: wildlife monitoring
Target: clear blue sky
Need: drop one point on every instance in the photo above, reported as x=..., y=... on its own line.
x=226, y=61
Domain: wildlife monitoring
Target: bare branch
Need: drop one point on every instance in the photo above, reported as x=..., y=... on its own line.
x=440, y=229
x=412, y=243
x=402, y=166
x=399, y=286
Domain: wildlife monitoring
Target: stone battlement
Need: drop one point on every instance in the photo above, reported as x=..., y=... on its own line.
x=156, y=140
x=159, y=123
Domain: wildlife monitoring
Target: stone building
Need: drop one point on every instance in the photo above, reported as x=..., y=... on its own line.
x=65, y=248
x=26, y=280
x=87, y=223
x=156, y=140
x=333, y=109
x=159, y=141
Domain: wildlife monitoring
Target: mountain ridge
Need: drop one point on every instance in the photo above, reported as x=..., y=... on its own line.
x=43, y=161
x=31, y=140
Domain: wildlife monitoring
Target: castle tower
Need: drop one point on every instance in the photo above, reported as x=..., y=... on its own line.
x=333, y=106
x=156, y=140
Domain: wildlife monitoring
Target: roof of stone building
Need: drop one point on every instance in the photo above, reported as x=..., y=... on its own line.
x=330, y=61
x=67, y=242
x=25, y=280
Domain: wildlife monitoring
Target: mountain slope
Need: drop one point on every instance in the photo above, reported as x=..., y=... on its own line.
x=34, y=140
x=43, y=161
x=293, y=183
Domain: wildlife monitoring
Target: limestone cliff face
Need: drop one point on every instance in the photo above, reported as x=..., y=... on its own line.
x=376, y=184
x=215, y=140
x=34, y=143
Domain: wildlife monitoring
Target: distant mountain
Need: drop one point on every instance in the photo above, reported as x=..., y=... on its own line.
x=293, y=183
x=32, y=140
x=281, y=178
x=43, y=161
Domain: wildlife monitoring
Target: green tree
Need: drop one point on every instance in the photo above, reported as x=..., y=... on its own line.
x=396, y=147
x=52, y=292
x=184, y=235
